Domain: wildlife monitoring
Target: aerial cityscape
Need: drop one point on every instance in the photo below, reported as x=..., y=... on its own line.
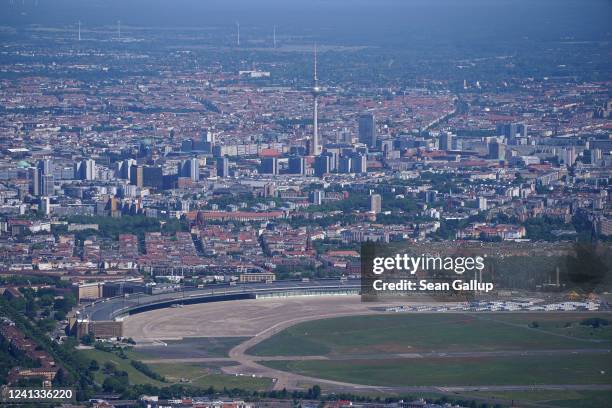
x=200, y=203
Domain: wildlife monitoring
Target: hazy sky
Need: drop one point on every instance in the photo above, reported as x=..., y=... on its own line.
x=357, y=19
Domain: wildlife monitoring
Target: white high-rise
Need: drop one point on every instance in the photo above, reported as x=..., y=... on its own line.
x=90, y=169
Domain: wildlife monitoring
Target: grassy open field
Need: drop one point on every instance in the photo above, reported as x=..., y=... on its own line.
x=411, y=333
x=135, y=376
x=197, y=375
x=203, y=376
x=569, y=399
x=568, y=369
x=188, y=347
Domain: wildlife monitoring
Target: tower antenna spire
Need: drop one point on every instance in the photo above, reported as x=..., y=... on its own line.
x=274, y=36
x=315, y=147
x=79, y=30
x=238, y=32
x=315, y=64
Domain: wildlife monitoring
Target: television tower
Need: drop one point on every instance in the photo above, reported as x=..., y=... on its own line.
x=274, y=36
x=119, y=29
x=79, y=30
x=238, y=32
x=315, y=149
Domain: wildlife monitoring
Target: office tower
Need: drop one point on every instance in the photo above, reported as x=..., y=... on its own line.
x=45, y=205
x=569, y=156
x=430, y=196
x=317, y=197
x=194, y=169
x=137, y=176
x=322, y=165
x=85, y=170
x=47, y=185
x=445, y=141
x=333, y=160
x=223, y=167
x=367, y=129
x=207, y=136
x=482, y=203
x=205, y=143
x=152, y=176
x=592, y=156
x=46, y=166
x=35, y=181
x=497, y=151
x=315, y=148
x=78, y=170
x=359, y=163
x=296, y=165
x=375, y=203
x=43, y=182
x=269, y=165
x=511, y=130
x=189, y=168
x=344, y=165
x=124, y=172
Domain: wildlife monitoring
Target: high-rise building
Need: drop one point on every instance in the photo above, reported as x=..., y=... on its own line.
x=190, y=168
x=85, y=170
x=194, y=169
x=511, y=130
x=46, y=166
x=152, y=176
x=367, y=129
x=269, y=165
x=90, y=169
x=322, y=165
x=497, y=150
x=445, y=141
x=296, y=165
x=431, y=196
x=124, y=168
x=45, y=204
x=344, y=165
x=205, y=143
x=482, y=203
x=47, y=185
x=137, y=176
x=43, y=182
x=223, y=167
x=317, y=197
x=375, y=203
x=359, y=163
x=569, y=156
x=35, y=181
x=592, y=156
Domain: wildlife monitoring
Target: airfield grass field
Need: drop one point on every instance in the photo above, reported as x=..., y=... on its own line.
x=566, y=398
x=452, y=332
x=197, y=375
x=203, y=376
x=102, y=357
x=522, y=349
x=188, y=347
x=569, y=369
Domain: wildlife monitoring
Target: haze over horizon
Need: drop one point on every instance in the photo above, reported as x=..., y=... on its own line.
x=392, y=22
